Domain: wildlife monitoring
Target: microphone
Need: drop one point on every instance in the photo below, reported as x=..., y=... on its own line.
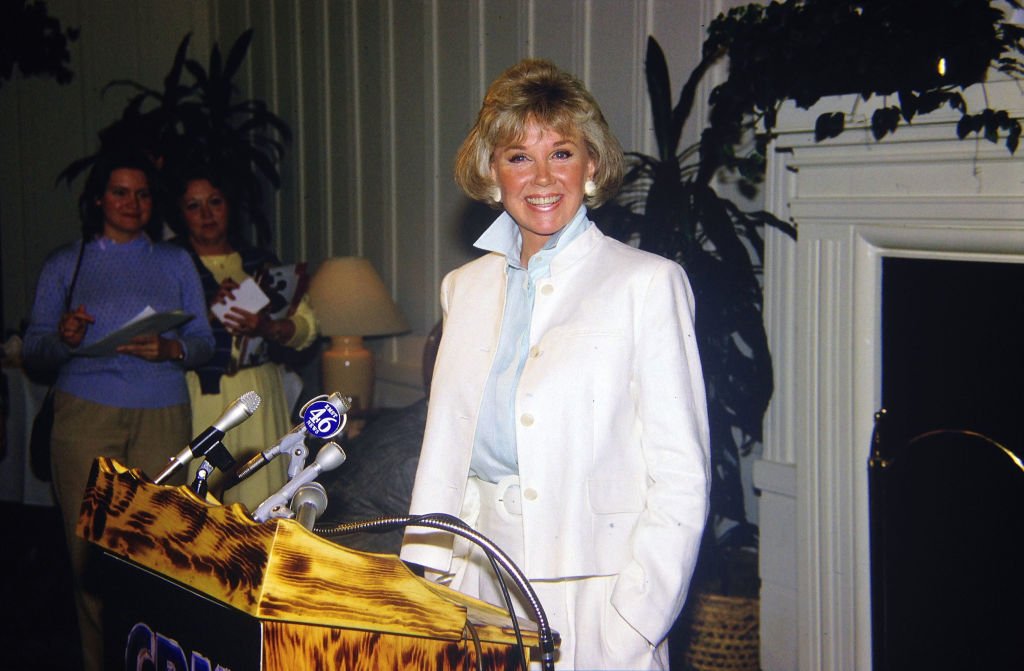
x=309, y=503
x=207, y=442
x=323, y=416
x=328, y=458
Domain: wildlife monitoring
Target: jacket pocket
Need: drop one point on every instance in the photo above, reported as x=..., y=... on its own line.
x=615, y=496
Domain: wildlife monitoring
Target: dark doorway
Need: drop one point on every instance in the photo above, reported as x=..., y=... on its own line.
x=953, y=346
x=946, y=483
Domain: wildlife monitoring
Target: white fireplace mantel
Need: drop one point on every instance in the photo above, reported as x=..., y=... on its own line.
x=918, y=193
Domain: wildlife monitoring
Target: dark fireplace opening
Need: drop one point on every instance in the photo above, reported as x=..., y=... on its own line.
x=953, y=346
x=946, y=482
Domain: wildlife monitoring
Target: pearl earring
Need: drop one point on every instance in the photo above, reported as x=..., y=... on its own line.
x=590, y=188
x=495, y=194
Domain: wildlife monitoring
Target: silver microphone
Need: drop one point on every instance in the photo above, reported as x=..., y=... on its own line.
x=309, y=503
x=324, y=426
x=200, y=446
x=328, y=458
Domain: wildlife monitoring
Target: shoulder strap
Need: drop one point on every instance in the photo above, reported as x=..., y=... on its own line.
x=74, y=277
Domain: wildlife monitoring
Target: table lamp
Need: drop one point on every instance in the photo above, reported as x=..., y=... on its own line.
x=351, y=301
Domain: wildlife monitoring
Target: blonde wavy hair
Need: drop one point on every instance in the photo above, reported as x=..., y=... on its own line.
x=536, y=90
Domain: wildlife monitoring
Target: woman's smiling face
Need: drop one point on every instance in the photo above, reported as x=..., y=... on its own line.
x=541, y=179
x=126, y=204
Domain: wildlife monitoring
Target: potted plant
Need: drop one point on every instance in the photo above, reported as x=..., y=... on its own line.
x=197, y=119
x=923, y=54
x=668, y=206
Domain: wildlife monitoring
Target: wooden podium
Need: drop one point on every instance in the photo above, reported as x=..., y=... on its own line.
x=200, y=586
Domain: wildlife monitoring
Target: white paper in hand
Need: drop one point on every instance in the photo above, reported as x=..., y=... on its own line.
x=147, y=322
x=248, y=296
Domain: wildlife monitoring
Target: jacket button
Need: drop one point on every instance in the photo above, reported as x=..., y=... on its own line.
x=530, y=494
x=547, y=290
x=526, y=419
x=534, y=352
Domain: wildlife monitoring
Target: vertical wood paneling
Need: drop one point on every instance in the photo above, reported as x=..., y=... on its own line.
x=379, y=95
x=373, y=82
x=18, y=279
x=260, y=82
x=110, y=50
x=680, y=29
x=458, y=80
x=286, y=72
x=412, y=155
x=559, y=36
x=505, y=37
x=47, y=125
x=615, y=78
x=315, y=103
x=342, y=191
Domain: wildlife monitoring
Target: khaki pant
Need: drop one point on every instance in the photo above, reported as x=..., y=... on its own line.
x=83, y=431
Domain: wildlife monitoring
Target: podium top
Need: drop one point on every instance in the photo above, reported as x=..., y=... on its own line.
x=276, y=570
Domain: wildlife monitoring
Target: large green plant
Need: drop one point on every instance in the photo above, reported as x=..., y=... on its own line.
x=196, y=118
x=667, y=206
x=800, y=51
x=916, y=55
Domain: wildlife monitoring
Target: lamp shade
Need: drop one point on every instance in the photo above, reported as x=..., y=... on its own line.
x=350, y=299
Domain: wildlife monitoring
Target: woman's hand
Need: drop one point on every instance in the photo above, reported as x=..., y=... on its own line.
x=152, y=348
x=73, y=325
x=226, y=291
x=241, y=322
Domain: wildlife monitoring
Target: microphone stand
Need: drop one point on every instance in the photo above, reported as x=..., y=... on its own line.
x=217, y=456
x=309, y=503
x=496, y=555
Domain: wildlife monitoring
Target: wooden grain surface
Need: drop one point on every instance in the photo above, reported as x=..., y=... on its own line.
x=287, y=647
x=275, y=571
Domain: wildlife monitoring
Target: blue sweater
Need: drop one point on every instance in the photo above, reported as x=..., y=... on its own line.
x=115, y=283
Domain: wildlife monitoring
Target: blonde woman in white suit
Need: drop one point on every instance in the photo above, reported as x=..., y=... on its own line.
x=567, y=419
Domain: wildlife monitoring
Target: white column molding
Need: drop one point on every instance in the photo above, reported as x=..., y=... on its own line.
x=920, y=193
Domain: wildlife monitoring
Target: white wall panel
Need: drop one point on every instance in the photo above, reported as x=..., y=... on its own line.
x=379, y=94
x=47, y=125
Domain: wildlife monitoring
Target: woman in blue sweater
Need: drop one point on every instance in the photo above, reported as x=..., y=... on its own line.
x=133, y=404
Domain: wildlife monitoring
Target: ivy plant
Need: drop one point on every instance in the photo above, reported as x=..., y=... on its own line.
x=917, y=55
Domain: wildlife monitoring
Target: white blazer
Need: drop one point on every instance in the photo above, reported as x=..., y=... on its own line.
x=611, y=423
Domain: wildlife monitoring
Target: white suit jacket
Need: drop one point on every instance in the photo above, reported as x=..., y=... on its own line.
x=611, y=423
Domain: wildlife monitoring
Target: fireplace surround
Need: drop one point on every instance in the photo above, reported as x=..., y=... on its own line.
x=920, y=193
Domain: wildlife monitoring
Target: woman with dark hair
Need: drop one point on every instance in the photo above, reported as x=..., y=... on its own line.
x=132, y=404
x=567, y=420
x=242, y=358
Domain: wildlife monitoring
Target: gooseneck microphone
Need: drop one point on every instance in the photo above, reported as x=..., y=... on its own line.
x=328, y=458
x=208, y=441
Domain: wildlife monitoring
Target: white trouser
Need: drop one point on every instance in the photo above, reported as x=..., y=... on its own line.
x=593, y=634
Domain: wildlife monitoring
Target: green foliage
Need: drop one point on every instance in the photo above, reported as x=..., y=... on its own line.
x=804, y=50
x=33, y=42
x=799, y=50
x=667, y=206
x=195, y=118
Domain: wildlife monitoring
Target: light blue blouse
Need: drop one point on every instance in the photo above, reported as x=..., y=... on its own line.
x=494, y=446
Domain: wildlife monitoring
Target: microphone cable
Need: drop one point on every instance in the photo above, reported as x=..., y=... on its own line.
x=495, y=555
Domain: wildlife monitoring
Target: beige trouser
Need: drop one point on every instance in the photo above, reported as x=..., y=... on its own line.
x=83, y=431
x=593, y=634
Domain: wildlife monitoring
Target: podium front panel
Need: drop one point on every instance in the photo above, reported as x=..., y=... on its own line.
x=150, y=622
x=197, y=586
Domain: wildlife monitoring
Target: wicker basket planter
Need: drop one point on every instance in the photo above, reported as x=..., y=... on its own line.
x=724, y=634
